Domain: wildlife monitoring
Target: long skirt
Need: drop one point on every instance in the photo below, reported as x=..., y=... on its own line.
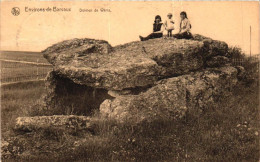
x=152, y=36
x=185, y=35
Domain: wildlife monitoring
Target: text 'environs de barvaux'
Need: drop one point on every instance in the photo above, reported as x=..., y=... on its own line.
x=63, y=9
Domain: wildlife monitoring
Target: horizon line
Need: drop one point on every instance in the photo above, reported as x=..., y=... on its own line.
x=40, y=52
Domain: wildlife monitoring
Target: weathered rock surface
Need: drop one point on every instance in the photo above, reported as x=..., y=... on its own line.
x=56, y=121
x=96, y=64
x=217, y=61
x=5, y=153
x=241, y=72
x=171, y=98
x=88, y=72
x=212, y=47
x=116, y=70
x=67, y=50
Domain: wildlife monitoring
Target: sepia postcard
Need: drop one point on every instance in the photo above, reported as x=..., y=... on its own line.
x=129, y=80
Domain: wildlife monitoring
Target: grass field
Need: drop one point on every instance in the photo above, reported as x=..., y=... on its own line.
x=23, y=56
x=227, y=131
x=16, y=100
x=16, y=71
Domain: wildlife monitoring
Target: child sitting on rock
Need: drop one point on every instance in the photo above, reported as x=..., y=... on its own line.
x=157, y=29
x=185, y=28
x=169, y=25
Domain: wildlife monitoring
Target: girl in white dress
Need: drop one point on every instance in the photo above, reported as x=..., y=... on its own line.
x=169, y=25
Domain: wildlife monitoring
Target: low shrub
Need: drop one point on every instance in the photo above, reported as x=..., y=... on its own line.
x=250, y=65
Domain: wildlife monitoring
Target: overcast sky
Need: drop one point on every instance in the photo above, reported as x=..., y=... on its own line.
x=35, y=31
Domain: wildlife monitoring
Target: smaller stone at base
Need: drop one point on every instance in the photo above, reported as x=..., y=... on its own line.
x=55, y=121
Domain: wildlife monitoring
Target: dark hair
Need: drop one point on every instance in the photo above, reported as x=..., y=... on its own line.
x=184, y=13
x=157, y=17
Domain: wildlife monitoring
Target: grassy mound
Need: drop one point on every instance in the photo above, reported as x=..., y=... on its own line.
x=227, y=131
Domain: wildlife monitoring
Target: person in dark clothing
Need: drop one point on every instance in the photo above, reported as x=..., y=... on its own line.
x=157, y=29
x=185, y=27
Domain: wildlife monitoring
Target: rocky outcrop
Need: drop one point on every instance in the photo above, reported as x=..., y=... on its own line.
x=67, y=50
x=171, y=98
x=136, y=64
x=138, y=82
x=88, y=72
x=115, y=70
x=217, y=61
x=158, y=78
x=64, y=122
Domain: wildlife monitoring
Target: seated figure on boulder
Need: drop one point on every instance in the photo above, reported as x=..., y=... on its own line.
x=185, y=27
x=157, y=29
